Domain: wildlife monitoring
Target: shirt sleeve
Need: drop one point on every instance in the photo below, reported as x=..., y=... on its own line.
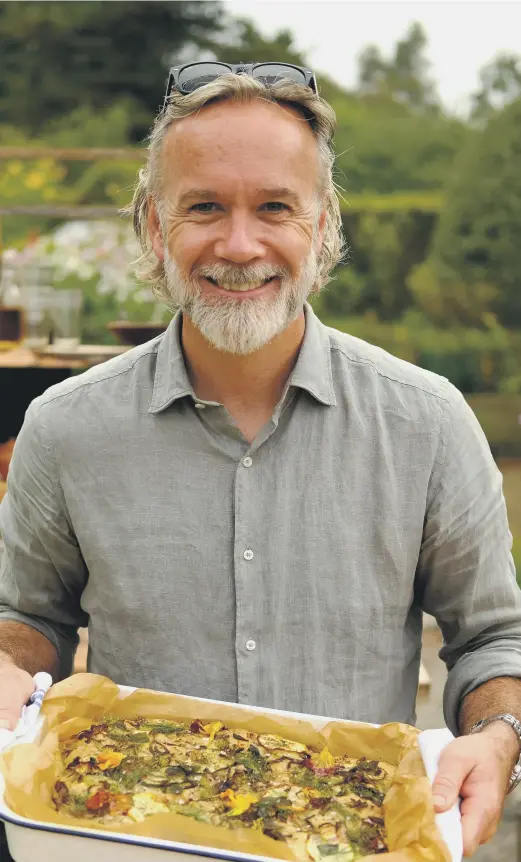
x=43, y=573
x=466, y=575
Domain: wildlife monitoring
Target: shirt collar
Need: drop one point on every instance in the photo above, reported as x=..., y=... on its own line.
x=312, y=370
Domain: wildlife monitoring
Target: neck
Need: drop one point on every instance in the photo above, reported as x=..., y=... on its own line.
x=255, y=380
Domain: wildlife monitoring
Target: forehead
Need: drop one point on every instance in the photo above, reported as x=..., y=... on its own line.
x=232, y=146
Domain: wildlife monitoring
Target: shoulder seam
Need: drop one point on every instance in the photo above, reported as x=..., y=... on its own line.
x=101, y=380
x=437, y=395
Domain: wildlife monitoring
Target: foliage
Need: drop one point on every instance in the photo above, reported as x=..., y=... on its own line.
x=448, y=300
x=498, y=415
x=433, y=254
x=382, y=146
x=243, y=43
x=474, y=360
x=55, y=54
x=49, y=181
x=96, y=257
x=500, y=83
x=403, y=77
x=383, y=248
x=476, y=243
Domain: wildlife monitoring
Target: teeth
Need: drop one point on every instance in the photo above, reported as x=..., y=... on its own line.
x=240, y=287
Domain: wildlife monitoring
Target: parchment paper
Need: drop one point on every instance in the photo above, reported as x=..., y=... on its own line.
x=31, y=770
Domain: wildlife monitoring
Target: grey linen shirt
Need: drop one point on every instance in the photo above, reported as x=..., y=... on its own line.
x=290, y=573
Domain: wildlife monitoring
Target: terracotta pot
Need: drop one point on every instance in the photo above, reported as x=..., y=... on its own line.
x=135, y=333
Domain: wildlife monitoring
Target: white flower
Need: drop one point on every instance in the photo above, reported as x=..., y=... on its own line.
x=89, y=249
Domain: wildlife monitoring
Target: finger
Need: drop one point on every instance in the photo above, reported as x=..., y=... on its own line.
x=479, y=818
x=489, y=833
x=10, y=712
x=452, y=772
x=473, y=831
x=8, y=720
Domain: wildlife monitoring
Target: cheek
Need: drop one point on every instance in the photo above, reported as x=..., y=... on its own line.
x=293, y=245
x=187, y=243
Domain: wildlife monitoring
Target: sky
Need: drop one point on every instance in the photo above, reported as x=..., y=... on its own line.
x=462, y=36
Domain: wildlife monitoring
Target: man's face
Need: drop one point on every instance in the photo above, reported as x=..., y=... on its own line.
x=241, y=221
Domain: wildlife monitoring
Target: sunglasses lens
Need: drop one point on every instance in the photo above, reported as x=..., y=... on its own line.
x=270, y=73
x=199, y=74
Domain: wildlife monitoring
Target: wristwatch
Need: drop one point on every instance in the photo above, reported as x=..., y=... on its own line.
x=515, y=778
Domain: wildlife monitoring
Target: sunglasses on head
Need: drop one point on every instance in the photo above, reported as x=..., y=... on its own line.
x=185, y=79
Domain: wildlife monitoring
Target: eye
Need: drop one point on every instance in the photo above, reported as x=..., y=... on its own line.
x=205, y=207
x=276, y=206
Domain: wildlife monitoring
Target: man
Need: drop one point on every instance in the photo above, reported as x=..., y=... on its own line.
x=254, y=507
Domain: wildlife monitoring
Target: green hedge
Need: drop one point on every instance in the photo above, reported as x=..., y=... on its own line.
x=498, y=415
x=516, y=552
x=482, y=363
x=475, y=360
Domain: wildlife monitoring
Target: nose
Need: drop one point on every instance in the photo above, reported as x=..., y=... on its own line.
x=240, y=242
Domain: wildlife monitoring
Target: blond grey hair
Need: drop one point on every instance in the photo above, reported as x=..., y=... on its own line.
x=237, y=88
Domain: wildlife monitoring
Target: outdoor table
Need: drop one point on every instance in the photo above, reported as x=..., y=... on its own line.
x=25, y=374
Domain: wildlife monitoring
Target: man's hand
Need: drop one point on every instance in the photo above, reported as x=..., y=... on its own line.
x=477, y=768
x=16, y=687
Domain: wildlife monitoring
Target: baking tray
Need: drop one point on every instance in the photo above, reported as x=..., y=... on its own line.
x=32, y=839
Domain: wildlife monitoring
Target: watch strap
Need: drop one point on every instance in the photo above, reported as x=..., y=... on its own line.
x=515, y=724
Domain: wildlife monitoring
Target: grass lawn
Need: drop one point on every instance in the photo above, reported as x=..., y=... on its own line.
x=512, y=487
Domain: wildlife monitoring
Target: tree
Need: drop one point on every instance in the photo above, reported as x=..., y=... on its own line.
x=476, y=244
x=404, y=77
x=500, y=85
x=55, y=56
x=387, y=147
x=243, y=43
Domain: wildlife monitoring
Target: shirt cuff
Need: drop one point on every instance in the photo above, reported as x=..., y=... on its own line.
x=472, y=670
x=65, y=644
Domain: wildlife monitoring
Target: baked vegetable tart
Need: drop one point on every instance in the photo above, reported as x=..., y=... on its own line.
x=123, y=771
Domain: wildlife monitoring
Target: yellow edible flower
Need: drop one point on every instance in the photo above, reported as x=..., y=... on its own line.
x=324, y=759
x=213, y=728
x=109, y=760
x=239, y=803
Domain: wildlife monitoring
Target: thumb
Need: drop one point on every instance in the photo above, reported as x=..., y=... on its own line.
x=452, y=771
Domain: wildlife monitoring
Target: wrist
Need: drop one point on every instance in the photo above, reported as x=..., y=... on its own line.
x=507, y=738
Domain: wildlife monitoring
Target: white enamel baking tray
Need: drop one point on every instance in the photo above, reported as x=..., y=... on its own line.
x=32, y=839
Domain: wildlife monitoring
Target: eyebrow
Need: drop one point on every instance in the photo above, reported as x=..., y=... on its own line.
x=211, y=195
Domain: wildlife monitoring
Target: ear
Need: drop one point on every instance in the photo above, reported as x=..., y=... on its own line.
x=154, y=230
x=319, y=236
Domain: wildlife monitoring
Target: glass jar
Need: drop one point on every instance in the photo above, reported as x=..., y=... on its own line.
x=67, y=304
x=11, y=313
x=36, y=295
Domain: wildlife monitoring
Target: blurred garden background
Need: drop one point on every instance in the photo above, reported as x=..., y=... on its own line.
x=431, y=201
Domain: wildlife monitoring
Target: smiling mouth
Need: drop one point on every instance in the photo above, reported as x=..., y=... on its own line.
x=240, y=288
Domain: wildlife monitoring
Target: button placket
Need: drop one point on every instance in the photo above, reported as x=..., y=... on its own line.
x=246, y=582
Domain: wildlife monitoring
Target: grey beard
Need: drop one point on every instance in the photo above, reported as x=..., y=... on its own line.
x=241, y=326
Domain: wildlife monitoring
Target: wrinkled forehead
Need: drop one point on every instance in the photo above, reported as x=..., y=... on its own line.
x=259, y=142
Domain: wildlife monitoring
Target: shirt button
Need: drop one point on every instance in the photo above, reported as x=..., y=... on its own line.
x=199, y=406
x=248, y=554
x=250, y=645
x=247, y=462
